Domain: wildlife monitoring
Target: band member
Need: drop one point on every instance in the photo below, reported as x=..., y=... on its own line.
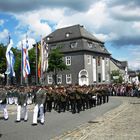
x=22, y=105
x=3, y=101
x=39, y=100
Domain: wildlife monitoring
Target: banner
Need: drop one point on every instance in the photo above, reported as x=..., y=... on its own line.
x=10, y=59
x=25, y=60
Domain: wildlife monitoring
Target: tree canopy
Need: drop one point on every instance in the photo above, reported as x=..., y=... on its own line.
x=56, y=63
x=116, y=77
x=2, y=58
x=17, y=66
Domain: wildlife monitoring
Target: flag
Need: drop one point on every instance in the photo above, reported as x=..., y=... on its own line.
x=42, y=53
x=10, y=59
x=39, y=60
x=45, y=57
x=25, y=60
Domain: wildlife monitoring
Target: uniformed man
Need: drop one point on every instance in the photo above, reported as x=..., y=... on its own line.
x=49, y=99
x=3, y=96
x=78, y=99
x=10, y=97
x=94, y=98
x=39, y=100
x=63, y=99
x=22, y=104
x=72, y=99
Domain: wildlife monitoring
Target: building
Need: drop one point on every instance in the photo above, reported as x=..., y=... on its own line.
x=86, y=56
x=133, y=77
x=121, y=66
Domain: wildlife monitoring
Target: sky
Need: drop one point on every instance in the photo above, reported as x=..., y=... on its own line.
x=116, y=22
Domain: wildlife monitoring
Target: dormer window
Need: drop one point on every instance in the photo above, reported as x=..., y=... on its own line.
x=90, y=44
x=95, y=45
x=48, y=38
x=73, y=44
x=102, y=47
x=67, y=34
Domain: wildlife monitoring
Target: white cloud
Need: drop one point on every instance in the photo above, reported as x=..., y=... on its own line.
x=93, y=18
x=59, y=18
x=106, y=37
x=133, y=64
x=96, y=19
x=4, y=35
x=21, y=43
x=34, y=20
x=136, y=26
x=1, y=22
x=123, y=12
x=17, y=6
x=134, y=58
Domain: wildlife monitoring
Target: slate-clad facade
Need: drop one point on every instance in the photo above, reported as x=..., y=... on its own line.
x=86, y=56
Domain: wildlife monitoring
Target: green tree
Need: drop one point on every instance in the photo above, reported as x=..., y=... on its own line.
x=2, y=58
x=17, y=65
x=32, y=60
x=56, y=63
x=116, y=76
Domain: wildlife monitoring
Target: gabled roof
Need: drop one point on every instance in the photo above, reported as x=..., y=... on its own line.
x=120, y=64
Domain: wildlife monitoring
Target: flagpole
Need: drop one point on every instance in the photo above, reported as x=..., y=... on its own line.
x=41, y=79
x=26, y=78
x=36, y=65
x=21, y=82
x=7, y=75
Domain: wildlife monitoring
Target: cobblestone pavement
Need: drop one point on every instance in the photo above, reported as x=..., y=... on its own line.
x=121, y=123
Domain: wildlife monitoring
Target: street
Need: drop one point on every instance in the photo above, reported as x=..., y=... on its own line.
x=55, y=123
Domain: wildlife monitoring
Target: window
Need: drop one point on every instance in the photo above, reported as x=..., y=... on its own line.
x=53, y=47
x=99, y=61
x=90, y=44
x=48, y=38
x=95, y=45
x=59, y=79
x=73, y=44
x=102, y=47
x=67, y=34
x=107, y=77
x=99, y=77
x=107, y=61
x=68, y=79
x=50, y=79
x=68, y=60
x=89, y=59
x=103, y=69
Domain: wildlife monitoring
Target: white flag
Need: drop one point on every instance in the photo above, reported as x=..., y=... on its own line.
x=10, y=59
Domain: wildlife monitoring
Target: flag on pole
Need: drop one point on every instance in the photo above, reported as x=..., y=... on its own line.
x=39, y=59
x=10, y=59
x=25, y=59
x=45, y=56
x=42, y=51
